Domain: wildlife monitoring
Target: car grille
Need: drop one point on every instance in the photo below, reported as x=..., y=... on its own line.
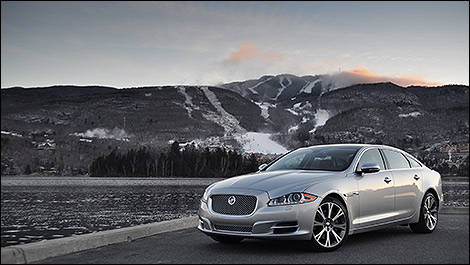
x=244, y=204
x=233, y=228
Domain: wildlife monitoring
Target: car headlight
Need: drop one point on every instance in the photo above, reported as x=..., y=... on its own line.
x=292, y=198
x=204, y=197
x=206, y=193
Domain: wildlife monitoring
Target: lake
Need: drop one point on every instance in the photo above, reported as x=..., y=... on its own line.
x=38, y=208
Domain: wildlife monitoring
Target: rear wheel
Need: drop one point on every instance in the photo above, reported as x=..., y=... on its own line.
x=330, y=225
x=227, y=239
x=428, y=215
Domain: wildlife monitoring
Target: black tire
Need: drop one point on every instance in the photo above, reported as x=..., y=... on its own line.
x=343, y=220
x=227, y=239
x=423, y=226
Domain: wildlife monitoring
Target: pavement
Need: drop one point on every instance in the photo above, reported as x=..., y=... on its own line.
x=36, y=251
x=449, y=243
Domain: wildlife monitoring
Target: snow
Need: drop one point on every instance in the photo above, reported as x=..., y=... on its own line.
x=432, y=147
x=252, y=142
x=252, y=89
x=188, y=103
x=103, y=133
x=256, y=142
x=293, y=129
x=12, y=133
x=293, y=112
x=308, y=87
x=307, y=105
x=320, y=119
x=230, y=124
x=411, y=114
x=265, y=109
x=195, y=142
x=297, y=105
x=281, y=82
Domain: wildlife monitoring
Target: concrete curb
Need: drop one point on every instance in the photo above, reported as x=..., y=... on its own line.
x=455, y=210
x=36, y=251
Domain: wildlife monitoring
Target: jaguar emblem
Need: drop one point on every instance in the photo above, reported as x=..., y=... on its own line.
x=231, y=200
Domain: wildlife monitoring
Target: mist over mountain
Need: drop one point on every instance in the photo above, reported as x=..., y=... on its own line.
x=66, y=127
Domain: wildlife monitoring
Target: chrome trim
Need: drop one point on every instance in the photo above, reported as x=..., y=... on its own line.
x=209, y=204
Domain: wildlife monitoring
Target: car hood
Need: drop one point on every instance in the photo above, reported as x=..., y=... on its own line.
x=276, y=183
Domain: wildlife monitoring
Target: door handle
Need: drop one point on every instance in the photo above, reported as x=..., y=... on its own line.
x=350, y=194
x=387, y=180
x=416, y=177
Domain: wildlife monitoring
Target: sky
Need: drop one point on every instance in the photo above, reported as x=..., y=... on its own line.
x=132, y=44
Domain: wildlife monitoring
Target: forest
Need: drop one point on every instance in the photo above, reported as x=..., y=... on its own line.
x=189, y=161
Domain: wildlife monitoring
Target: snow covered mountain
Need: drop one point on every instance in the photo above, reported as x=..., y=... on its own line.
x=273, y=89
x=285, y=100
x=75, y=124
x=316, y=109
x=72, y=125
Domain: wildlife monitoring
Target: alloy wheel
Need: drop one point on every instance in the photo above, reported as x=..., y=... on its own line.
x=329, y=225
x=430, y=212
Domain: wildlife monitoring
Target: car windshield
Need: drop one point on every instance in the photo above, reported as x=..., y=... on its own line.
x=330, y=158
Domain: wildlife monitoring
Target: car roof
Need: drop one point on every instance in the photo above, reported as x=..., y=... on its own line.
x=365, y=146
x=356, y=145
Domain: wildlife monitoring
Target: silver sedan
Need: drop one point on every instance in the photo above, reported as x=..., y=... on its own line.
x=323, y=194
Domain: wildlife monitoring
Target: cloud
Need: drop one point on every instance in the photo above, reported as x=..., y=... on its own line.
x=251, y=61
x=361, y=74
x=248, y=51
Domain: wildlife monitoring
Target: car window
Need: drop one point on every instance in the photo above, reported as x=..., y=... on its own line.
x=332, y=158
x=396, y=159
x=291, y=161
x=371, y=156
x=413, y=162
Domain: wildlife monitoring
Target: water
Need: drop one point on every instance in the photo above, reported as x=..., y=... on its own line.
x=455, y=194
x=34, y=209
x=39, y=208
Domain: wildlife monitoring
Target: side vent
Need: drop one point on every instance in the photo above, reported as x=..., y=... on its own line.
x=285, y=227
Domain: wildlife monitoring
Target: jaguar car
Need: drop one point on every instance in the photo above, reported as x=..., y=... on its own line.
x=322, y=194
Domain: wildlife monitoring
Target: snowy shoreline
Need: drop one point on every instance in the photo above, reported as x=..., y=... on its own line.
x=22, y=180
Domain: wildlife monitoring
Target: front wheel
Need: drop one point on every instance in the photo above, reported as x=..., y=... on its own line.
x=330, y=225
x=428, y=215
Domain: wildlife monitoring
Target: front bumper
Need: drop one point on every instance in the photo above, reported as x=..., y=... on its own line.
x=283, y=222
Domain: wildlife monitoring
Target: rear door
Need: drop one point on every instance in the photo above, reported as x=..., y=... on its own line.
x=407, y=180
x=376, y=191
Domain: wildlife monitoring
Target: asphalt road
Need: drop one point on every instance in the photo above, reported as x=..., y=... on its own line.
x=448, y=244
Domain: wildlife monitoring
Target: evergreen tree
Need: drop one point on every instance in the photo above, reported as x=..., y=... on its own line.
x=27, y=169
x=190, y=162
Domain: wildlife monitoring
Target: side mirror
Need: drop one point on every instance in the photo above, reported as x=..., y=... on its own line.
x=263, y=166
x=369, y=168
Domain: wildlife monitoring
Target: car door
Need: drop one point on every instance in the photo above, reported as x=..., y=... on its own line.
x=376, y=191
x=419, y=173
x=407, y=180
